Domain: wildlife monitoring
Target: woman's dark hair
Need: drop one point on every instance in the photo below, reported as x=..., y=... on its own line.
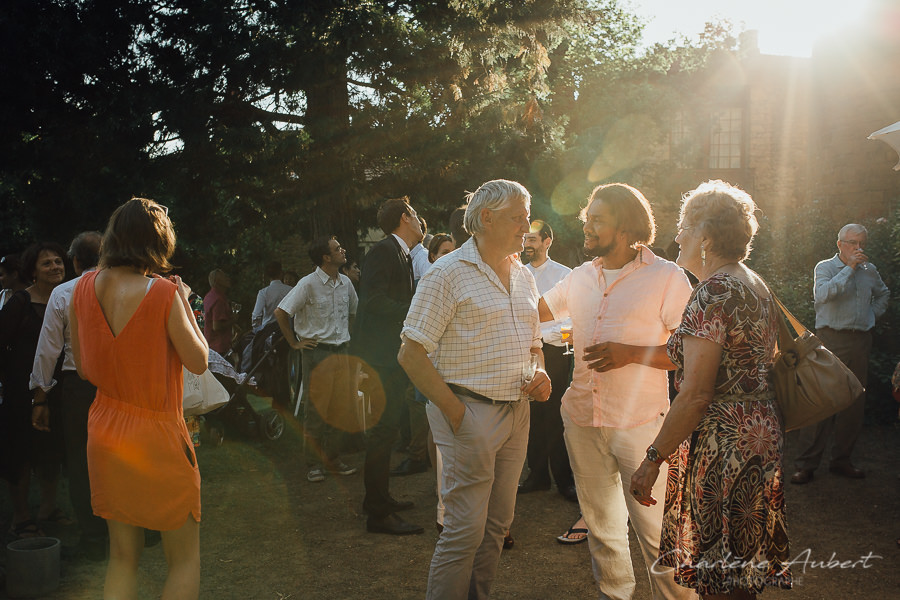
x=31, y=255
x=10, y=264
x=140, y=235
x=345, y=268
x=436, y=242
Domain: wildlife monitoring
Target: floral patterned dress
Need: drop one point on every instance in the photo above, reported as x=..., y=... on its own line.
x=724, y=523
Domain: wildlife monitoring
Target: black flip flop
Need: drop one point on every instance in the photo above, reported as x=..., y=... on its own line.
x=565, y=539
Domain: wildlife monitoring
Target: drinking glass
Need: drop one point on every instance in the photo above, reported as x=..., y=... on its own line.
x=566, y=332
x=235, y=308
x=530, y=368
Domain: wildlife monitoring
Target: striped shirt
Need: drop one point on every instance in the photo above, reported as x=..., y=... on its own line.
x=477, y=334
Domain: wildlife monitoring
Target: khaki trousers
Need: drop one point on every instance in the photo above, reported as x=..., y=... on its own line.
x=482, y=463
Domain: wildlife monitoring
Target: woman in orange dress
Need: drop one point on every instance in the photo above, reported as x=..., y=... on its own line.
x=131, y=334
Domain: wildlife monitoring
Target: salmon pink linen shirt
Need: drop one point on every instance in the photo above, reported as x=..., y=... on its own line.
x=642, y=307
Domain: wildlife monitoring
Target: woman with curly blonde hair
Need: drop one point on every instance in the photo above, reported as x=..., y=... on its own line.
x=724, y=527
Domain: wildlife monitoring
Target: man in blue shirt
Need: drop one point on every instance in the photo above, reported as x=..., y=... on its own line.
x=849, y=296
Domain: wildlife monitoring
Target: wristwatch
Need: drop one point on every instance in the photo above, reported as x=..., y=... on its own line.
x=654, y=456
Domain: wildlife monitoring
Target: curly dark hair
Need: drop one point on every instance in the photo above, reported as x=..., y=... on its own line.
x=31, y=255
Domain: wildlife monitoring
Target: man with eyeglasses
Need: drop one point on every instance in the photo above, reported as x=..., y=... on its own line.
x=849, y=296
x=321, y=306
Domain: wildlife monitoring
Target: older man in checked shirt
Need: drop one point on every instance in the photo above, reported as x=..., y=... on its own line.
x=468, y=342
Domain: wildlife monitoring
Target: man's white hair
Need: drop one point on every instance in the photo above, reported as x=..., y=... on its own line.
x=493, y=195
x=851, y=228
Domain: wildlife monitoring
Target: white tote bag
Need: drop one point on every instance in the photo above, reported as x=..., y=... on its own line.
x=202, y=393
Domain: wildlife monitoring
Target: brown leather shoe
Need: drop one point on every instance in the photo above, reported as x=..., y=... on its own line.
x=802, y=476
x=847, y=470
x=508, y=541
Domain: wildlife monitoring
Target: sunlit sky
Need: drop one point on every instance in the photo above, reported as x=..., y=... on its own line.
x=786, y=27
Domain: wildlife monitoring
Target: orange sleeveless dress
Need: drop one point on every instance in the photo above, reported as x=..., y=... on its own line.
x=141, y=462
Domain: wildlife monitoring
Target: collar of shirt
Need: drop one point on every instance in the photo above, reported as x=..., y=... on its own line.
x=641, y=307
x=326, y=279
x=403, y=245
x=540, y=269
x=644, y=256
x=469, y=252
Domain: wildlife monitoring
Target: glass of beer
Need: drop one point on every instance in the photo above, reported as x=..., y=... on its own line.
x=566, y=332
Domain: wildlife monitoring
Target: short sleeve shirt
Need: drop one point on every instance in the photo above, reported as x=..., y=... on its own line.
x=477, y=334
x=726, y=311
x=321, y=307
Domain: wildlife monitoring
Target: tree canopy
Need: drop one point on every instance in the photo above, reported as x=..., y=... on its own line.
x=255, y=120
x=260, y=121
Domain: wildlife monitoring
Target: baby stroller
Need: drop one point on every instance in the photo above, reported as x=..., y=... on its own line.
x=266, y=370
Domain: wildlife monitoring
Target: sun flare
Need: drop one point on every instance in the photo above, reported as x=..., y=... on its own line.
x=788, y=28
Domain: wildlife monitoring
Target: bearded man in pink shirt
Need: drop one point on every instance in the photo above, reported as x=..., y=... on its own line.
x=623, y=304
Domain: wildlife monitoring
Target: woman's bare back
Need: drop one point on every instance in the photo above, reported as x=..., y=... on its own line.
x=120, y=291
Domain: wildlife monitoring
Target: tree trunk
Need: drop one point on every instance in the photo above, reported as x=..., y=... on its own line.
x=329, y=182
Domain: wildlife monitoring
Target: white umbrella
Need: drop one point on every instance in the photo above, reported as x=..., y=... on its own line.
x=890, y=135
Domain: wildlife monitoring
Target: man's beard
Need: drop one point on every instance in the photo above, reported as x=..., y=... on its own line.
x=598, y=251
x=528, y=255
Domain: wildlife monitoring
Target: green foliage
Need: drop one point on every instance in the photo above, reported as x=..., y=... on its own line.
x=883, y=250
x=786, y=254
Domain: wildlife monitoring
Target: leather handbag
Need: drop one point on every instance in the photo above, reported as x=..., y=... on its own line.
x=811, y=383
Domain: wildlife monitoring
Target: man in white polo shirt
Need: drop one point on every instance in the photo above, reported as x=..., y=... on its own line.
x=623, y=305
x=322, y=305
x=468, y=342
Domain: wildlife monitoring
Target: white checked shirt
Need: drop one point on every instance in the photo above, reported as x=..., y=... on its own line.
x=321, y=307
x=476, y=333
x=641, y=307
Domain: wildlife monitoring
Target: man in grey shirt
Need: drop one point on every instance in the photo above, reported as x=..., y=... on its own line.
x=849, y=296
